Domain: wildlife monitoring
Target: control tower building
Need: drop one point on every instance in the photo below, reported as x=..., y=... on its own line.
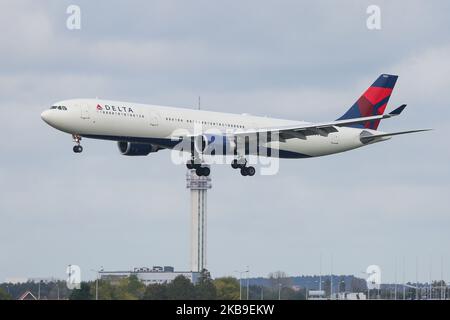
x=199, y=186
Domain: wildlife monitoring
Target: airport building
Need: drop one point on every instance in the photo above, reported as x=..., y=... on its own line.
x=155, y=275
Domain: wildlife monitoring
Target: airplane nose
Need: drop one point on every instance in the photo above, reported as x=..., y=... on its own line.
x=52, y=118
x=45, y=116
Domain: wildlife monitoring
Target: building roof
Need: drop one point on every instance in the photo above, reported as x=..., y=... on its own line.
x=27, y=295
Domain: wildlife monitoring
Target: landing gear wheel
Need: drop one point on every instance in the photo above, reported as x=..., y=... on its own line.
x=199, y=171
x=202, y=171
x=77, y=149
x=234, y=164
x=251, y=171
x=189, y=165
x=206, y=171
x=244, y=171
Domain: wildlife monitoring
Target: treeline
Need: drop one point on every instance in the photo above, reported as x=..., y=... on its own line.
x=131, y=288
x=51, y=290
x=227, y=288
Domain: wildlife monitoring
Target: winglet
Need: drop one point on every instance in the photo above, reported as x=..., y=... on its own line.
x=397, y=111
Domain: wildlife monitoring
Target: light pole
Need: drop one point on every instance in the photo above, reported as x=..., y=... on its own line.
x=417, y=278
x=403, y=280
x=279, y=291
x=331, y=279
x=96, y=283
x=320, y=273
x=240, y=283
x=248, y=272
x=395, y=280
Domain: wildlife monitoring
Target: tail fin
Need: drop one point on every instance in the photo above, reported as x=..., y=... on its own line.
x=373, y=102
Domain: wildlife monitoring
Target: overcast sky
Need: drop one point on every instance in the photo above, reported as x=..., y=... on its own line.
x=292, y=59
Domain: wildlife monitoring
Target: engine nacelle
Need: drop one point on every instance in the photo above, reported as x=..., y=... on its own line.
x=136, y=149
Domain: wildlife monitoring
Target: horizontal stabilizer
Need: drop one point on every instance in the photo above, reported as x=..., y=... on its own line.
x=375, y=137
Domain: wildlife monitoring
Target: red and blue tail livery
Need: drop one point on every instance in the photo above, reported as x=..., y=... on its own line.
x=373, y=102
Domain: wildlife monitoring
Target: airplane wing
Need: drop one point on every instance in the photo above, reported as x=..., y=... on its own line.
x=322, y=129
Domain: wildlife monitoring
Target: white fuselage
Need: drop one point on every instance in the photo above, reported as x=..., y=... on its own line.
x=133, y=122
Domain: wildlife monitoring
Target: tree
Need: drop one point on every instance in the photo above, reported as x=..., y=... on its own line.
x=180, y=288
x=439, y=288
x=288, y=293
x=84, y=293
x=227, y=288
x=279, y=277
x=135, y=287
x=4, y=295
x=105, y=290
x=155, y=292
x=129, y=288
x=205, y=289
x=358, y=285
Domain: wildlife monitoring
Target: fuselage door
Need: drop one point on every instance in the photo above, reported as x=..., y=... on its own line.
x=334, y=137
x=153, y=118
x=84, y=111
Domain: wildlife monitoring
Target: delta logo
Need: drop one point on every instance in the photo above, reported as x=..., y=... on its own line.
x=115, y=108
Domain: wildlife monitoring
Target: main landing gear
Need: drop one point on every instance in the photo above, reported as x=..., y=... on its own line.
x=199, y=169
x=245, y=171
x=77, y=148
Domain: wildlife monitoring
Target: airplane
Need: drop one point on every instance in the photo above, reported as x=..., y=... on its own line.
x=143, y=129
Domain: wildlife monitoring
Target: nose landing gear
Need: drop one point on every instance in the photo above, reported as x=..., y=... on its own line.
x=77, y=148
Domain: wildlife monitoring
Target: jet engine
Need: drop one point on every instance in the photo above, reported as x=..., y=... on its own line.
x=136, y=149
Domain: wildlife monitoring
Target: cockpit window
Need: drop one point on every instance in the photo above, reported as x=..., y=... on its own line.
x=58, y=107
